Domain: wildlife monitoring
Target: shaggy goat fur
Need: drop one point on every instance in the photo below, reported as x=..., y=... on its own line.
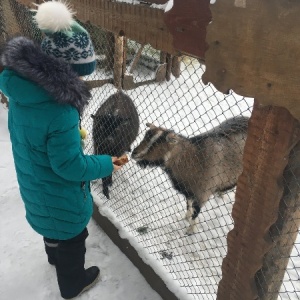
x=199, y=166
x=115, y=127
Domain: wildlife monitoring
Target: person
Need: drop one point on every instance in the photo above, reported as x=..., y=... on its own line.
x=46, y=98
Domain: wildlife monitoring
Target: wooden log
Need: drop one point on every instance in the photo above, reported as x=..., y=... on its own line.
x=283, y=233
x=118, y=61
x=271, y=134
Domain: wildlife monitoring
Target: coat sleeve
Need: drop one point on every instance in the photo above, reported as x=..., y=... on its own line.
x=65, y=154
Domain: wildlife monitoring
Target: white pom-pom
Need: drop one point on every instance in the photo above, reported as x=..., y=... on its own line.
x=54, y=16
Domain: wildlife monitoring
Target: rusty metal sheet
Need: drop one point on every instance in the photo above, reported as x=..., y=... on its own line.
x=254, y=50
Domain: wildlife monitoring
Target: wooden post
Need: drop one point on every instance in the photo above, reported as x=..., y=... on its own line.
x=283, y=233
x=169, y=66
x=272, y=132
x=109, y=51
x=176, y=63
x=124, y=67
x=118, y=61
x=136, y=58
x=163, y=57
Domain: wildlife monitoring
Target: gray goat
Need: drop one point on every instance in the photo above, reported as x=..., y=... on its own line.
x=115, y=127
x=198, y=166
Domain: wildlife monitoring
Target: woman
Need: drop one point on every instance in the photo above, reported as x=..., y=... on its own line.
x=46, y=98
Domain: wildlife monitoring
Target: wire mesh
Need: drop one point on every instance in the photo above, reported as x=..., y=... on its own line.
x=144, y=200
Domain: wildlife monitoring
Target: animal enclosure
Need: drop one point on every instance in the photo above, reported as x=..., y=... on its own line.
x=145, y=206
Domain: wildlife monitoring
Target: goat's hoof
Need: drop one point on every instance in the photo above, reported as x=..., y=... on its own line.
x=106, y=195
x=188, y=216
x=190, y=231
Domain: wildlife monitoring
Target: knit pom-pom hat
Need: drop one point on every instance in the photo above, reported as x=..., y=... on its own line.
x=64, y=37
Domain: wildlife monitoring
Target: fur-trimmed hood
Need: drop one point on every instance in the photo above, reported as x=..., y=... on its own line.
x=55, y=76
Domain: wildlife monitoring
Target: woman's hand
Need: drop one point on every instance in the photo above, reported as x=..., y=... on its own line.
x=116, y=168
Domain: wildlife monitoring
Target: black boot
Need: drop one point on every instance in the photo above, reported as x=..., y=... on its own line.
x=72, y=278
x=91, y=278
x=50, y=248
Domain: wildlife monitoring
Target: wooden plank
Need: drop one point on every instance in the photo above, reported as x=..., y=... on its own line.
x=138, y=22
x=180, y=30
x=155, y=1
x=254, y=50
x=272, y=132
x=187, y=21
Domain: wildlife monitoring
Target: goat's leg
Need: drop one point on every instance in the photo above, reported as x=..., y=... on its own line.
x=106, y=182
x=192, y=220
x=189, y=209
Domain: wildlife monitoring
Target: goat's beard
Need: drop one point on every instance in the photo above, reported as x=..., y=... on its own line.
x=143, y=163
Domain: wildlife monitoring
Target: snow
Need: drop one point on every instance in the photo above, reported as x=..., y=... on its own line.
x=24, y=271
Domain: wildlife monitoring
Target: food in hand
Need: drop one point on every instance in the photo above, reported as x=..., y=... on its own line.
x=122, y=160
x=83, y=133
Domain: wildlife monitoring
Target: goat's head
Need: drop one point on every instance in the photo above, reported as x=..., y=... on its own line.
x=155, y=147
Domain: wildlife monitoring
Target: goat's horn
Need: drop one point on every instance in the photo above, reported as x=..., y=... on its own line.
x=151, y=126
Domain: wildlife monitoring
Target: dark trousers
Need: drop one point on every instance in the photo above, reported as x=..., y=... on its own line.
x=68, y=256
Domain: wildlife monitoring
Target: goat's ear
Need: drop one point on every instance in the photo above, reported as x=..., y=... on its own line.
x=172, y=138
x=92, y=116
x=151, y=126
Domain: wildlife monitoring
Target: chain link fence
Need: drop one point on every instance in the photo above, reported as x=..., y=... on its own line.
x=168, y=92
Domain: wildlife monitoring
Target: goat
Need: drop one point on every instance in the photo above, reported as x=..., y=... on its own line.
x=115, y=127
x=198, y=166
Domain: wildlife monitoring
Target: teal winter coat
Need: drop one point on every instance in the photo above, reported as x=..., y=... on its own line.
x=45, y=99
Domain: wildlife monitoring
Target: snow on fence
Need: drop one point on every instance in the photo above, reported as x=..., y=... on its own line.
x=144, y=205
